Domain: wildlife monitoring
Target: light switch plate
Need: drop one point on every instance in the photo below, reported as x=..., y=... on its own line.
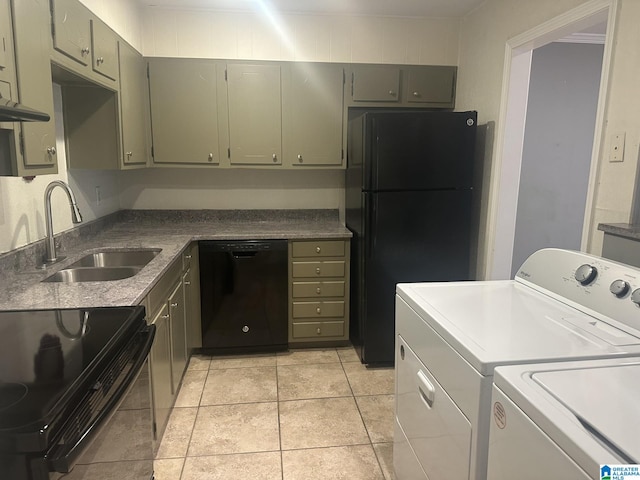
x=616, y=150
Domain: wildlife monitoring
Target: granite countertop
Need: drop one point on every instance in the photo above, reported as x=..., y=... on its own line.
x=625, y=230
x=22, y=288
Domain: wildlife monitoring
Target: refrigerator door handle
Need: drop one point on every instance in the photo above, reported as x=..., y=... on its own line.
x=371, y=205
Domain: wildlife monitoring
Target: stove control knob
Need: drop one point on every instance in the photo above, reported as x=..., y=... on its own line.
x=635, y=296
x=585, y=274
x=619, y=288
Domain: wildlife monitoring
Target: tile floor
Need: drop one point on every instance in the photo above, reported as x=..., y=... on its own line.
x=299, y=415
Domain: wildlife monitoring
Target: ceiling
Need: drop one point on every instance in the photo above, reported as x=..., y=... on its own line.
x=404, y=8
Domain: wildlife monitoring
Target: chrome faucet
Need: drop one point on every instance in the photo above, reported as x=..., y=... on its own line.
x=76, y=217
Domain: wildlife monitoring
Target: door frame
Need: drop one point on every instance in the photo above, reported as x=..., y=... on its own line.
x=512, y=115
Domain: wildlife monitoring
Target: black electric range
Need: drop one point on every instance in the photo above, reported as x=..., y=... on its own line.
x=63, y=374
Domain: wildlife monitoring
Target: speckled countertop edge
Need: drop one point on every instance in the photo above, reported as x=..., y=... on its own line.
x=625, y=230
x=23, y=290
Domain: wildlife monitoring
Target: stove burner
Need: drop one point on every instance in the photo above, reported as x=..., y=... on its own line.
x=11, y=394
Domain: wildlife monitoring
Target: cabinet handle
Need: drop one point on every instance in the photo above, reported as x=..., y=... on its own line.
x=275, y=157
x=416, y=94
x=392, y=93
x=188, y=257
x=210, y=158
x=318, y=291
x=85, y=51
x=51, y=150
x=300, y=158
x=174, y=305
x=318, y=311
x=99, y=60
x=318, y=270
x=318, y=249
x=318, y=331
x=187, y=282
x=164, y=316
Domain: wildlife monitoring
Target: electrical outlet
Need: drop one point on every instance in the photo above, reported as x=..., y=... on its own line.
x=98, y=196
x=616, y=150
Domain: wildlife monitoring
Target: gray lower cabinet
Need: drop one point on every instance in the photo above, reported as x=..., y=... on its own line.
x=621, y=249
x=318, y=292
x=177, y=320
x=312, y=108
x=184, y=104
x=160, y=373
x=254, y=113
x=191, y=282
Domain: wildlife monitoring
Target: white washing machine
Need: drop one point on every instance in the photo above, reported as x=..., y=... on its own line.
x=564, y=420
x=562, y=306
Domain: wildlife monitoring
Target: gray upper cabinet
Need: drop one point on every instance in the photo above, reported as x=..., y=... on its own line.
x=375, y=83
x=426, y=86
x=133, y=107
x=433, y=85
x=83, y=44
x=104, y=50
x=184, y=106
x=312, y=100
x=31, y=22
x=255, y=114
x=71, y=30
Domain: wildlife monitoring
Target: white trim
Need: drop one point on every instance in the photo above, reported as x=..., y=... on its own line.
x=574, y=20
x=592, y=38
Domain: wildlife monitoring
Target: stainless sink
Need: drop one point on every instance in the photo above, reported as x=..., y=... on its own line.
x=123, y=258
x=92, y=274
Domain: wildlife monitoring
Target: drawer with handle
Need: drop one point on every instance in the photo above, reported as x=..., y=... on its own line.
x=324, y=248
x=318, y=329
x=318, y=309
x=318, y=269
x=318, y=289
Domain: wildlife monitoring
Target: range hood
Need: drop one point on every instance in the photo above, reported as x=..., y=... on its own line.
x=11, y=111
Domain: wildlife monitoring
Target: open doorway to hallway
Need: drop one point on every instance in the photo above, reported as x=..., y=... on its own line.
x=553, y=102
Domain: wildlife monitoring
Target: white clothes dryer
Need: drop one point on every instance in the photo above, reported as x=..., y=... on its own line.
x=450, y=336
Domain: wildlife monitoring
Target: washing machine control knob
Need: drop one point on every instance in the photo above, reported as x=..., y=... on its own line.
x=619, y=288
x=635, y=296
x=585, y=274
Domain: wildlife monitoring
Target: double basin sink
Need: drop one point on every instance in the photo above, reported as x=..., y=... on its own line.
x=105, y=266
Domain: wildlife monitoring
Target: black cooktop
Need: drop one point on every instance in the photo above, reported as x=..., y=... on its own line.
x=48, y=356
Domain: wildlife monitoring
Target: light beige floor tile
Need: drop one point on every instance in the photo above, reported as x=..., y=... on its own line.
x=167, y=468
x=307, y=357
x=110, y=470
x=175, y=440
x=348, y=354
x=243, y=361
x=378, y=414
x=336, y=463
x=191, y=388
x=242, y=428
x=296, y=382
x=199, y=362
x=245, y=466
x=369, y=381
x=384, y=452
x=325, y=422
x=240, y=385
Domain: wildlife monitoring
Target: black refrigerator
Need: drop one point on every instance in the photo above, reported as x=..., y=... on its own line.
x=408, y=203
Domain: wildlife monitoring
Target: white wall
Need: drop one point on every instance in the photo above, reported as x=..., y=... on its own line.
x=321, y=38
x=556, y=157
x=124, y=16
x=483, y=36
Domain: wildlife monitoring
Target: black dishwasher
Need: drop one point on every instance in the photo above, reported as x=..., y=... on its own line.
x=243, y=295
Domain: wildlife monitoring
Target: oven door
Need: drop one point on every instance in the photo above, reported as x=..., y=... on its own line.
x=119, y=443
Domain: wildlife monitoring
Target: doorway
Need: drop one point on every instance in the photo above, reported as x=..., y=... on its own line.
x=546, y=168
